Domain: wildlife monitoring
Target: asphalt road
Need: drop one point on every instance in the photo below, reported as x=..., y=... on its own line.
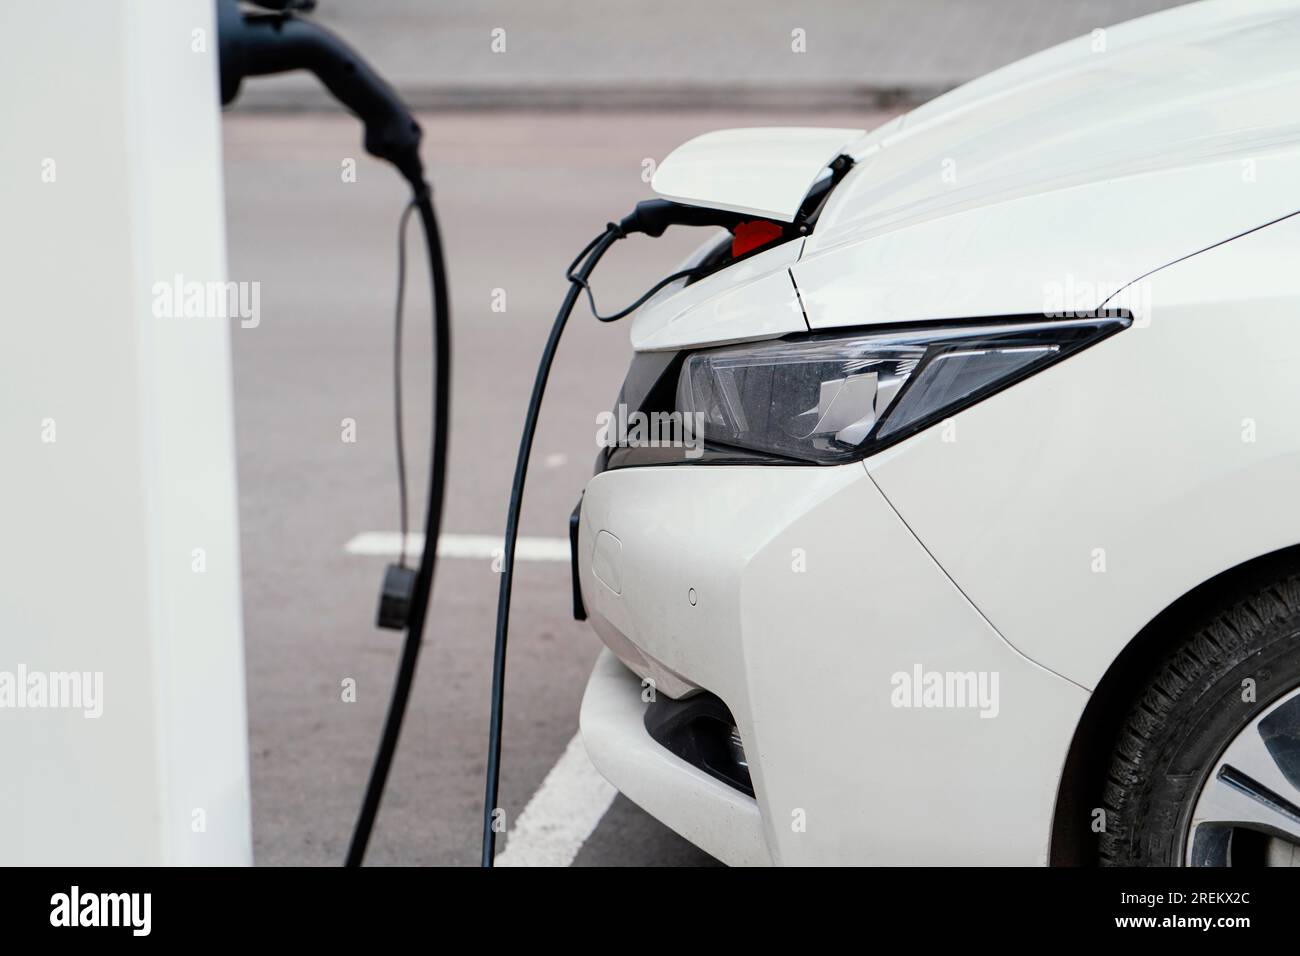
x=517, y=195
x=725, y=53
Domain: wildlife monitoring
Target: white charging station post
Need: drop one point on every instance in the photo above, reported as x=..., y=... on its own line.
x=119, y=546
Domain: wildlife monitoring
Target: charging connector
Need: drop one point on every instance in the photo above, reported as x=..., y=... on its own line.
x=396, y=597
x=261, y=44
x=652, y=217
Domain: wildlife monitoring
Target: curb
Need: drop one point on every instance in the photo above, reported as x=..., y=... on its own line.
x=846, y=96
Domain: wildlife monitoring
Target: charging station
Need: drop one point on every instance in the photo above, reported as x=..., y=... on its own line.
x=126, y=703
x=121, y=546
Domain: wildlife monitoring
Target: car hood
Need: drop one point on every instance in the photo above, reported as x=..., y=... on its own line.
x=1051, y=184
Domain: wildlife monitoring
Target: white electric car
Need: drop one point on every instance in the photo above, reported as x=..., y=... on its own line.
x=980, y=543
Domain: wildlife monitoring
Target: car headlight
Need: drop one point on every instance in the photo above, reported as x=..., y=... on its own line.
x=836, y=398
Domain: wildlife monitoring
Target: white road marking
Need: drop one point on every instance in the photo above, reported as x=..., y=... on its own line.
x=562, y=814
x=480, y=546
x=573, y=798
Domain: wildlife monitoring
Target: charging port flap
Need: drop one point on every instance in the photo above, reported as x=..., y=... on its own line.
x=764, y=171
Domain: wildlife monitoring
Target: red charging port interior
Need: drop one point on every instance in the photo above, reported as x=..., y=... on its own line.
x=748, y=236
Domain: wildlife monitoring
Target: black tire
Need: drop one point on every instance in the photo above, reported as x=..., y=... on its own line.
x=1190, y=710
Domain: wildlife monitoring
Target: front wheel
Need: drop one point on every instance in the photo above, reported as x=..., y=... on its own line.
x=1206, y=768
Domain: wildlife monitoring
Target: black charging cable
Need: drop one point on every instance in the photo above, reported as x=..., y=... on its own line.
x=577, y=273
x=417, y=598
x=650, y=218
x=649, y=294
x=259, y=44
x=399, y=437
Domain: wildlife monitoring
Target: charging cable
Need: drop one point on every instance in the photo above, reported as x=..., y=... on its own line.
x=408, y=604
x=577, y=273
x=257, y=44
x=650, y=218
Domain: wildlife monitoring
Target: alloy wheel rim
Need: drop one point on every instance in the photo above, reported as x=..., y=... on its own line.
x=1248, y=807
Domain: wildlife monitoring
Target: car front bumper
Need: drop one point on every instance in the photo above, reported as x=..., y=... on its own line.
x=800, y=598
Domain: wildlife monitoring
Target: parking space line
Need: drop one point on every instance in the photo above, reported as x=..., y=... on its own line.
x=562, y=814
x=573, y=798
x=476, y=546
